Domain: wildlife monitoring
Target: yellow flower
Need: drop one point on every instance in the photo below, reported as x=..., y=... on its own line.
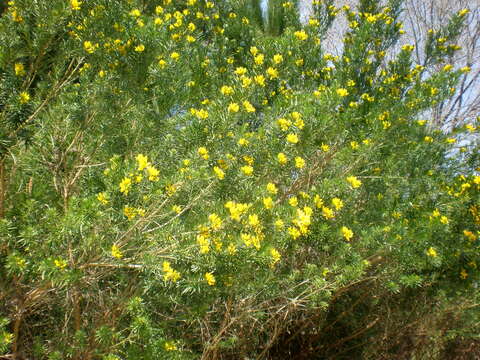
x=203, y=152
x=202, y=241
x=277, y=58
x=125, y=185
x=75, y=4
x=16, y=16
x=233, y=107
x=248, y=107
x=293, y=201
x=142, y=162
x=470, y=235
x=272, y=189
x=60, y=263
x=253, y=220
x=219, y=172
x=135, y=13
x=354, y=182
x=226, y=90
x=240, y=71
x=170, y=346
x=282, y=158
x=279, y=224
x=231, y=249
x=247, y=170
x=175, y=55
x=209, y=278
x=116, y=253
x=243, y=142
x=297, y=117
x=447, y=67
x=259, y=59
x=215, y=221
x=275, y=256
x=268, y=203
x=292, y=138
x=246, y=81
x=177, y=209
x=24, y=97
x=463, y=274
x=347, y=233
x=294, y=232
x=152, y=173
x=301, y=35
x=428, y=139
x=260, y=80
x=284, y=123
x=342, y=92
x=325, y=147
x=444, y=220
x=432, y=252
x=327, y=212
x=170, y=274
x=248, y=159
x=470, y=127
x=140, y=48
x=463, y=12
x=19, y=69
x=299, y=162
x=272, y=73
x=129, y=212
x=102, y=197
x=89, y=47
x=337, y=203
x=318, y=201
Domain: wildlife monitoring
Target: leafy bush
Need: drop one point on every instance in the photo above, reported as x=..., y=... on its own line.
x=178, y=183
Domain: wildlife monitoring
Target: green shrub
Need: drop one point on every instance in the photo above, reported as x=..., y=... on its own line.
x=178, y=183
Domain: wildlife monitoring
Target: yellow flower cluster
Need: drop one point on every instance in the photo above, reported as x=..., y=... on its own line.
x=347, y=233
x=275, y=257
x=354, y=182
x=169, y=273
x=115, y=251
x=131, y=212
x=19, y=69
x=237, y=209
x=209, y=278
x=302, y=222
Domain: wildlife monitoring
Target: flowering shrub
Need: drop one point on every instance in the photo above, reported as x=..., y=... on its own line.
x=178, y=183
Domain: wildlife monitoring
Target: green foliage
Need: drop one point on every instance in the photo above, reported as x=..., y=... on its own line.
x=179, y=180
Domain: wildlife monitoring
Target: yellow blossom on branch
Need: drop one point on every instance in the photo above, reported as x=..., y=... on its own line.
x=169, y=273
x=282, y=158
x=301, y=35
x=347, y=233
x=432, y=252
x=75, y=4
x=24, y=97
x=125, y=185
x=209, y=278
x=153, y=173
x=19, y=69
x=292, y=138
x=354, y=182
x=116, y=253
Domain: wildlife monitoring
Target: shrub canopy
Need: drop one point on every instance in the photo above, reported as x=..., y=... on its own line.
x=180, y=180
